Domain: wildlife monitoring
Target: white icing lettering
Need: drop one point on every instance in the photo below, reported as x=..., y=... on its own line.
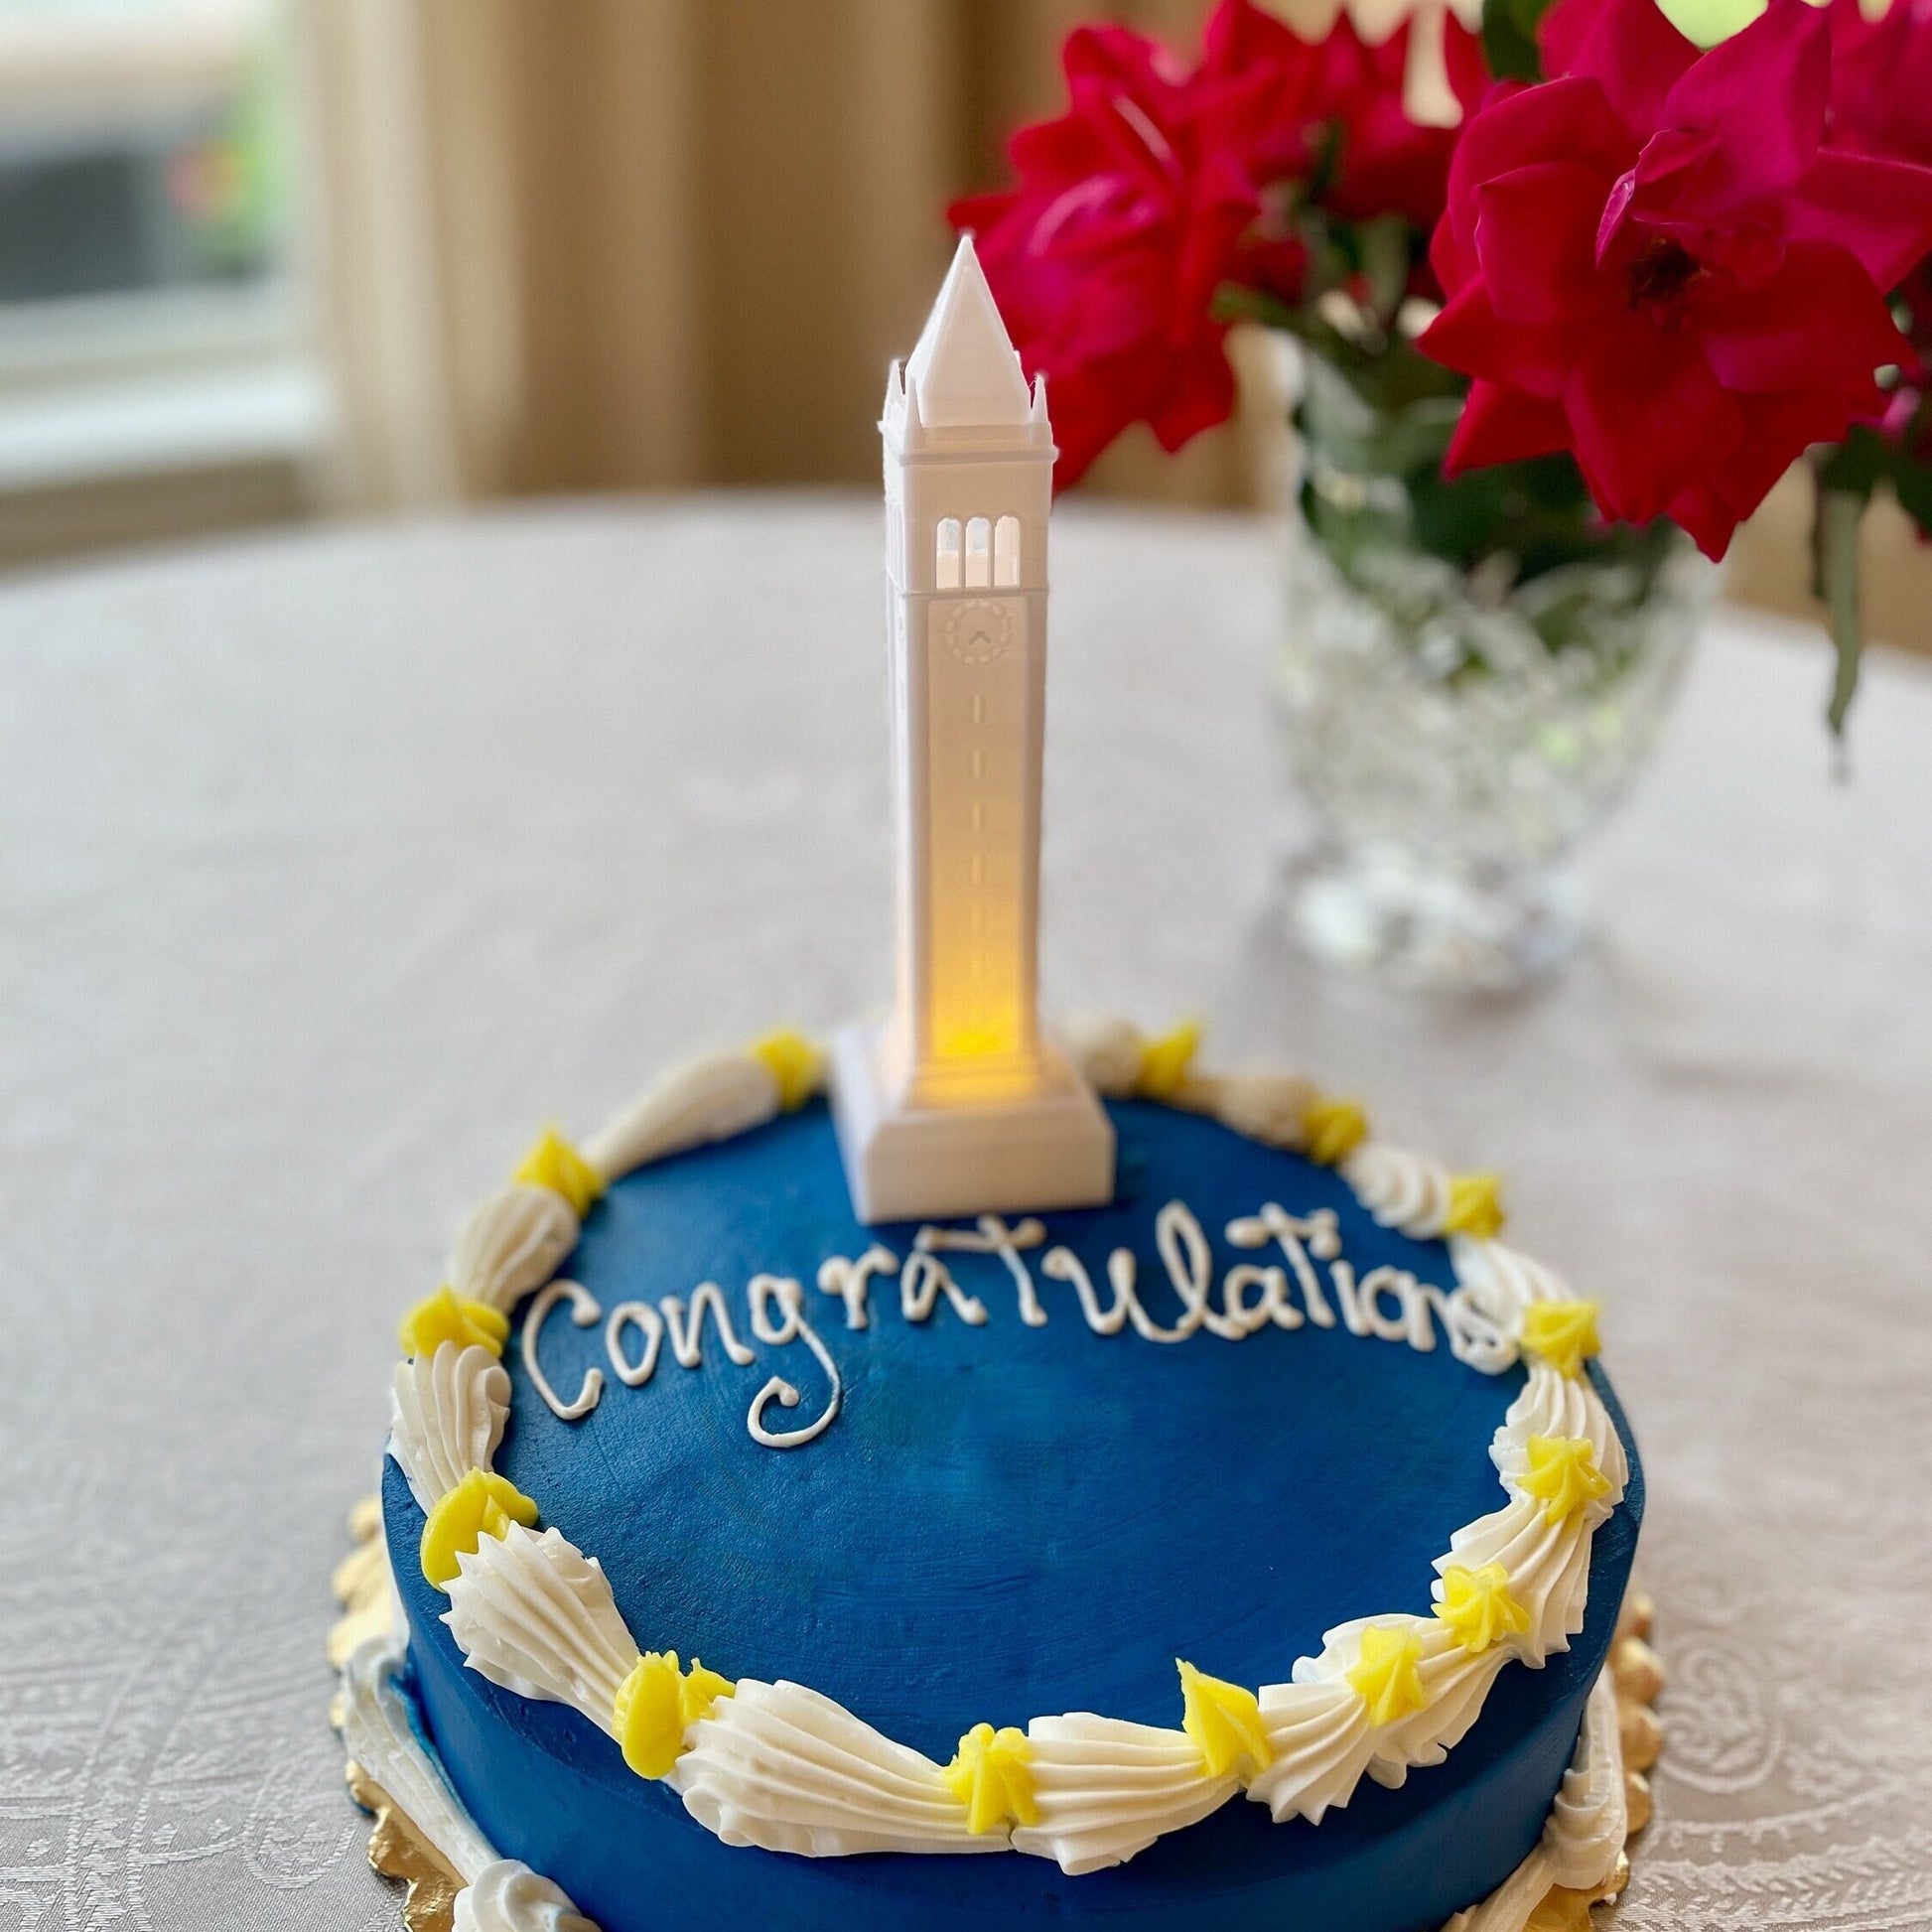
x=1190, y=1262
x=789, y=1326
x=1177, y=1252
x=583, y=1311
x=1273, y=1306
x=1474, y=1338
x=1343, y=1275
x=921, y=1282
x=995, y=1238
x=1123, y=1271
x=1321, y=1236
x=1063, y=1265
x=687, y=1332
x=650, y=1324
x=1410, y=1322
x=848, y=1281
x=1388, y=1304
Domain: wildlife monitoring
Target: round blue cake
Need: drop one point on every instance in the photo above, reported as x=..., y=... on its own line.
x=1010, y=1513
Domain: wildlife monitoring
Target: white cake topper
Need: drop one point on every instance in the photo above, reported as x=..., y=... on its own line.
x=958, y=1105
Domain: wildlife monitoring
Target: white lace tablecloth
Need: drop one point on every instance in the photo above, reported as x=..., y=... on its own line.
x=332, y=866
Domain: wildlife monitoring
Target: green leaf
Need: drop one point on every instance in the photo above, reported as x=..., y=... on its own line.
x=1509, y=38
x=1856, y=465
x=1386, y=257
x=1911, y=478
x=1911, y=467
x=1835, y=570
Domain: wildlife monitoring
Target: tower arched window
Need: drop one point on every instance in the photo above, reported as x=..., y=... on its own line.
x=1006, y=552
x=979, y=554
x=945, y=557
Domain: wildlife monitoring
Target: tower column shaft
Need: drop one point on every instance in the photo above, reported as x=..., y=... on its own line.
x=973, y=673
x=957, y=1105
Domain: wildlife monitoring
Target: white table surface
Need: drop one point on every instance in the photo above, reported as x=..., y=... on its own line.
x=332, y=864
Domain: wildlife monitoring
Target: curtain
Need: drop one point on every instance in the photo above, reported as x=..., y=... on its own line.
x=572, y=245
x=591, y=244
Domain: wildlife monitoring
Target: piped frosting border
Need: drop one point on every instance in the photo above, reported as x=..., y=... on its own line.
x=780, y=1766
x=456, y=1881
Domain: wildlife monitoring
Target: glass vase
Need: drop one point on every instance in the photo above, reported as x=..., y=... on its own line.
x=1473, y=674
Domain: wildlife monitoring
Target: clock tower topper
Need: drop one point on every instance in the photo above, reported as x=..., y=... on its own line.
x=957, y=1105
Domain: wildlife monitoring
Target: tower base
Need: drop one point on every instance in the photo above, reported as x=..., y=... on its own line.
x=911, y=1163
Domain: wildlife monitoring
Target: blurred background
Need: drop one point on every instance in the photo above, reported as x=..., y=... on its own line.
x=263, y=260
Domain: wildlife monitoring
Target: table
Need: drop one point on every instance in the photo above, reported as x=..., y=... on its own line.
x=333, y=864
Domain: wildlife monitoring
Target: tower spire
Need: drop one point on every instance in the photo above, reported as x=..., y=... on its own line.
x=965, y=365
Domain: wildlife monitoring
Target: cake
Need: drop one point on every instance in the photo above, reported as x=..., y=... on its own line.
x=945, y=1478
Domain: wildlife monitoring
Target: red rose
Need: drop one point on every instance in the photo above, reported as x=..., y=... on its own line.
x=1651, y=261
x=1882, y=103
x=1138, y=202
x=1881, y=80
x=1106, y=257
x=1279, y=97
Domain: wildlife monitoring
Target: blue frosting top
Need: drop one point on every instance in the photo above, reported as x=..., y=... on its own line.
x=1005, y=1521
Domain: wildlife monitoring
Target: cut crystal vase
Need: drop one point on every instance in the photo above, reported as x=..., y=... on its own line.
x=1473, y=674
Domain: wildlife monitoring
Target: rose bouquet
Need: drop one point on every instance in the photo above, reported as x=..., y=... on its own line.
x=1611, y=291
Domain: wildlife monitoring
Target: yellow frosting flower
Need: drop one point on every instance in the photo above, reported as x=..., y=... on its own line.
x=1389, y=1675
x=1475, y=1206
x=1478, y=1608
x=1165, y=1061
x=446, y=1315
x=1225, y=1723
x=482, y=1505
x=1564, y=1476
x=991, y=1775
x=795, y=1063
x=1562, y=1333
x=1334, y=1128
x=656, y=1704
x=554, y=1163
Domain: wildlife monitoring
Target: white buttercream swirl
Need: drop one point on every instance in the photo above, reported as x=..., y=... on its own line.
x=1107, y=1789
x=1107, y=1052
x=515, y=1242
x=1318, y=1726
x=1402, y=1191
x=379, y=1734
x=1548, y=1564
x=1271, y=1108
x=709, y=1100
x=1501, y=1282
x=535, y=1614
x=1322, y=1741
x=508, y=1896
x=446, y=1417
x=786, y=1769
x=1591, y=1819
x=1583, y=1834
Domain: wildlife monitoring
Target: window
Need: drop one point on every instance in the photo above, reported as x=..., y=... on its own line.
x=979, y=554
x=149, y=314
x=1006, y=552
x=945, y=563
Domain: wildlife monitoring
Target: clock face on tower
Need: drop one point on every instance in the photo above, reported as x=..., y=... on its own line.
x=979, y=631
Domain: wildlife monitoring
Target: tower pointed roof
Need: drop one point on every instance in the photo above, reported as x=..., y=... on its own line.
x=965, y=367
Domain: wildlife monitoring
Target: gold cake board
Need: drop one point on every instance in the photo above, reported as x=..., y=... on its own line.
x=399, y=1850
